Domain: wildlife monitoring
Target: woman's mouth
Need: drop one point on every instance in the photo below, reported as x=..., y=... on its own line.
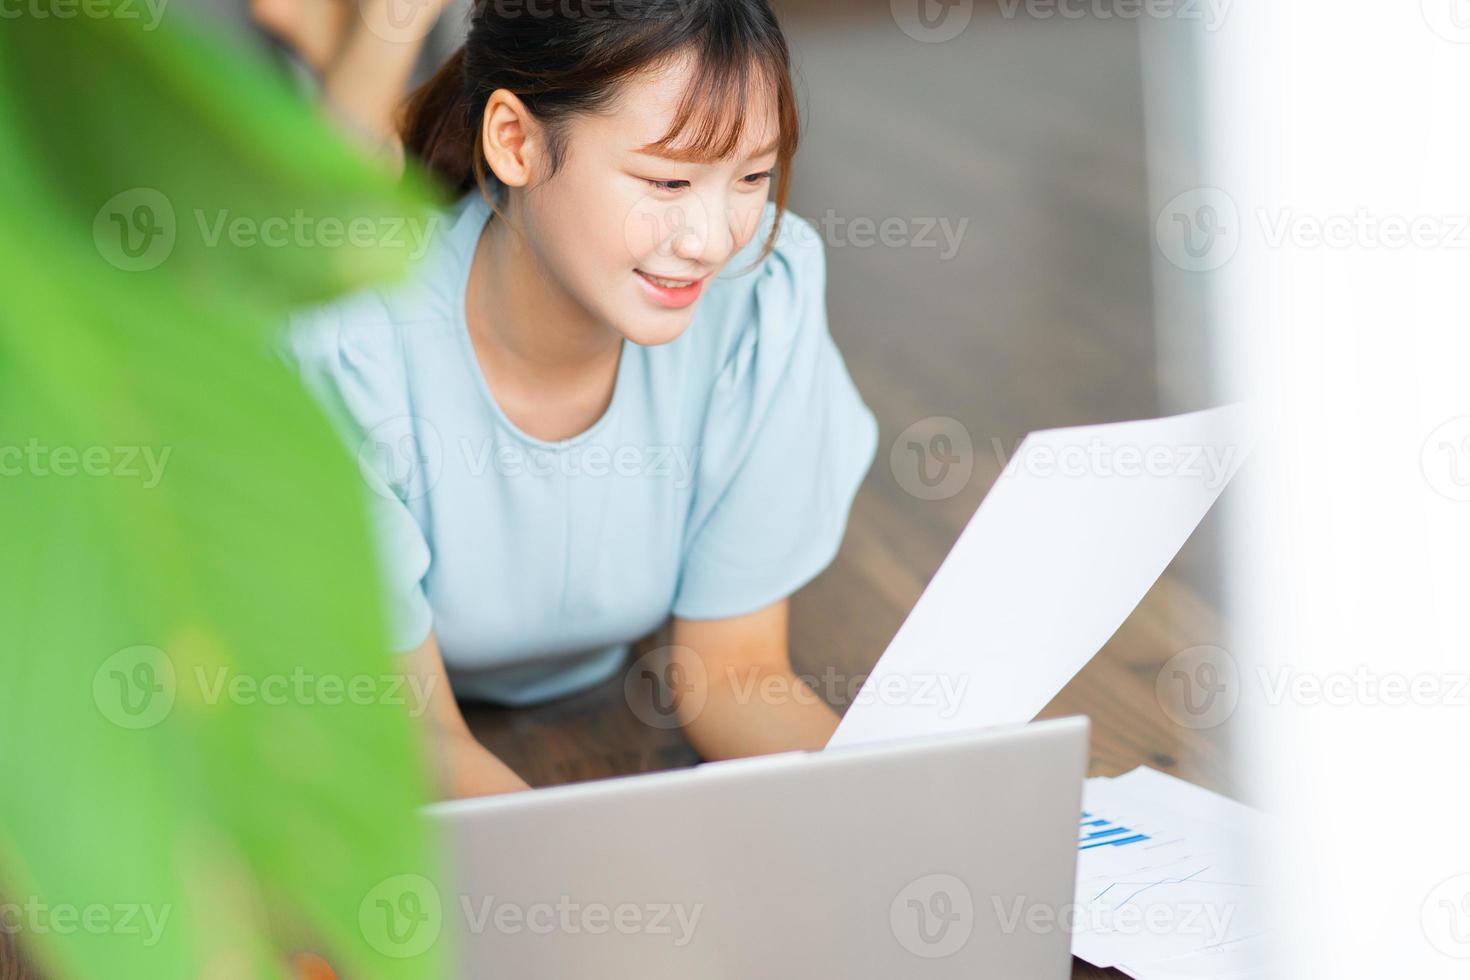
x=671, y=293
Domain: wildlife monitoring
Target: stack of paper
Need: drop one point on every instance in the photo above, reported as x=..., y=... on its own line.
x=1165, y=885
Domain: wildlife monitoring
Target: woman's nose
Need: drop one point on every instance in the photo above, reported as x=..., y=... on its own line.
x=707, y=235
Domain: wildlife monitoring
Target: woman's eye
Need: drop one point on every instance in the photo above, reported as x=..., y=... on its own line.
x=755, y=179
x=668, y=185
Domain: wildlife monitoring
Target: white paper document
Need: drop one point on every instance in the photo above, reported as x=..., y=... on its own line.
x=1166, y=885
x=1075, y=531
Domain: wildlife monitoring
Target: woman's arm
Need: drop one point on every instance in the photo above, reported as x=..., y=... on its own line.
x=462, y=765
x=362, y=50
x=739, y=695
x=366, y=81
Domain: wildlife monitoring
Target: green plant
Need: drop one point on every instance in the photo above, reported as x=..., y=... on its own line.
x=250, y=827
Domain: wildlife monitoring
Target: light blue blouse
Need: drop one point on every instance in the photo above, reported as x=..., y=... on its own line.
x=717, y=482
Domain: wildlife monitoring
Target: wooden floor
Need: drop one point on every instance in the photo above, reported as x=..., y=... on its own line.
x=1033, y=130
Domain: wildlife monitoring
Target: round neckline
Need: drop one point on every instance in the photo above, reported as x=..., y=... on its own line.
x=480, y=215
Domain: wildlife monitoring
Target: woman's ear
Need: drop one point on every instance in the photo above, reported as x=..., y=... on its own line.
x=510, y=138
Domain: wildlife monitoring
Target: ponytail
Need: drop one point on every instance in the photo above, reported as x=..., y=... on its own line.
x=437, y=128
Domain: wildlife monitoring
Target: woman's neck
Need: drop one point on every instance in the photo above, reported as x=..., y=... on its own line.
x=549, y=363
x=526, y=315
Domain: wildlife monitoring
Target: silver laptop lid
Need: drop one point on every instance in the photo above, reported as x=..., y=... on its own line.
x=947, y=857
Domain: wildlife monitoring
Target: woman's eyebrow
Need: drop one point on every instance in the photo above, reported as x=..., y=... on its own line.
x=691, y=156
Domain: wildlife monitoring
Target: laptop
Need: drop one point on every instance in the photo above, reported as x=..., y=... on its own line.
x=950, y=856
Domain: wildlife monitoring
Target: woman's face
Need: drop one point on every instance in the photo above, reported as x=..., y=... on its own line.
x=616, y=217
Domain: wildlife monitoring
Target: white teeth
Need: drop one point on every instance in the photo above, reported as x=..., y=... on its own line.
x=666, y=283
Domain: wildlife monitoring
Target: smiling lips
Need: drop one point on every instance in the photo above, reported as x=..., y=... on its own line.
x=671, y=293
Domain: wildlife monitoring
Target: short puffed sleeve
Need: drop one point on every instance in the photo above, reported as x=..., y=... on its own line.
x=787, y=440
x=350, y=357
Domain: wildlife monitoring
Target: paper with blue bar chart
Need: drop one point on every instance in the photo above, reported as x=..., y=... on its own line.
x=1165, y=888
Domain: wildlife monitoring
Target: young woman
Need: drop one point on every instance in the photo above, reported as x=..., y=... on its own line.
x=609, y=393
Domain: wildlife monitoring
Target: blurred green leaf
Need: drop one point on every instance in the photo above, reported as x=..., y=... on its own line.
x=178, y=514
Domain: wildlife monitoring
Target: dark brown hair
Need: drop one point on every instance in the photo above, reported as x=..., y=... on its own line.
x=568, y=57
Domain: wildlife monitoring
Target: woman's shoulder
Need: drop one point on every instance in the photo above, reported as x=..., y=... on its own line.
x=348, y=353
x=321, y=339
x=762, y=355
x=362, y=336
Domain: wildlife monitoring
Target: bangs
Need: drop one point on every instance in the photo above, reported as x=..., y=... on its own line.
x=711, y=119
x=710, y=122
